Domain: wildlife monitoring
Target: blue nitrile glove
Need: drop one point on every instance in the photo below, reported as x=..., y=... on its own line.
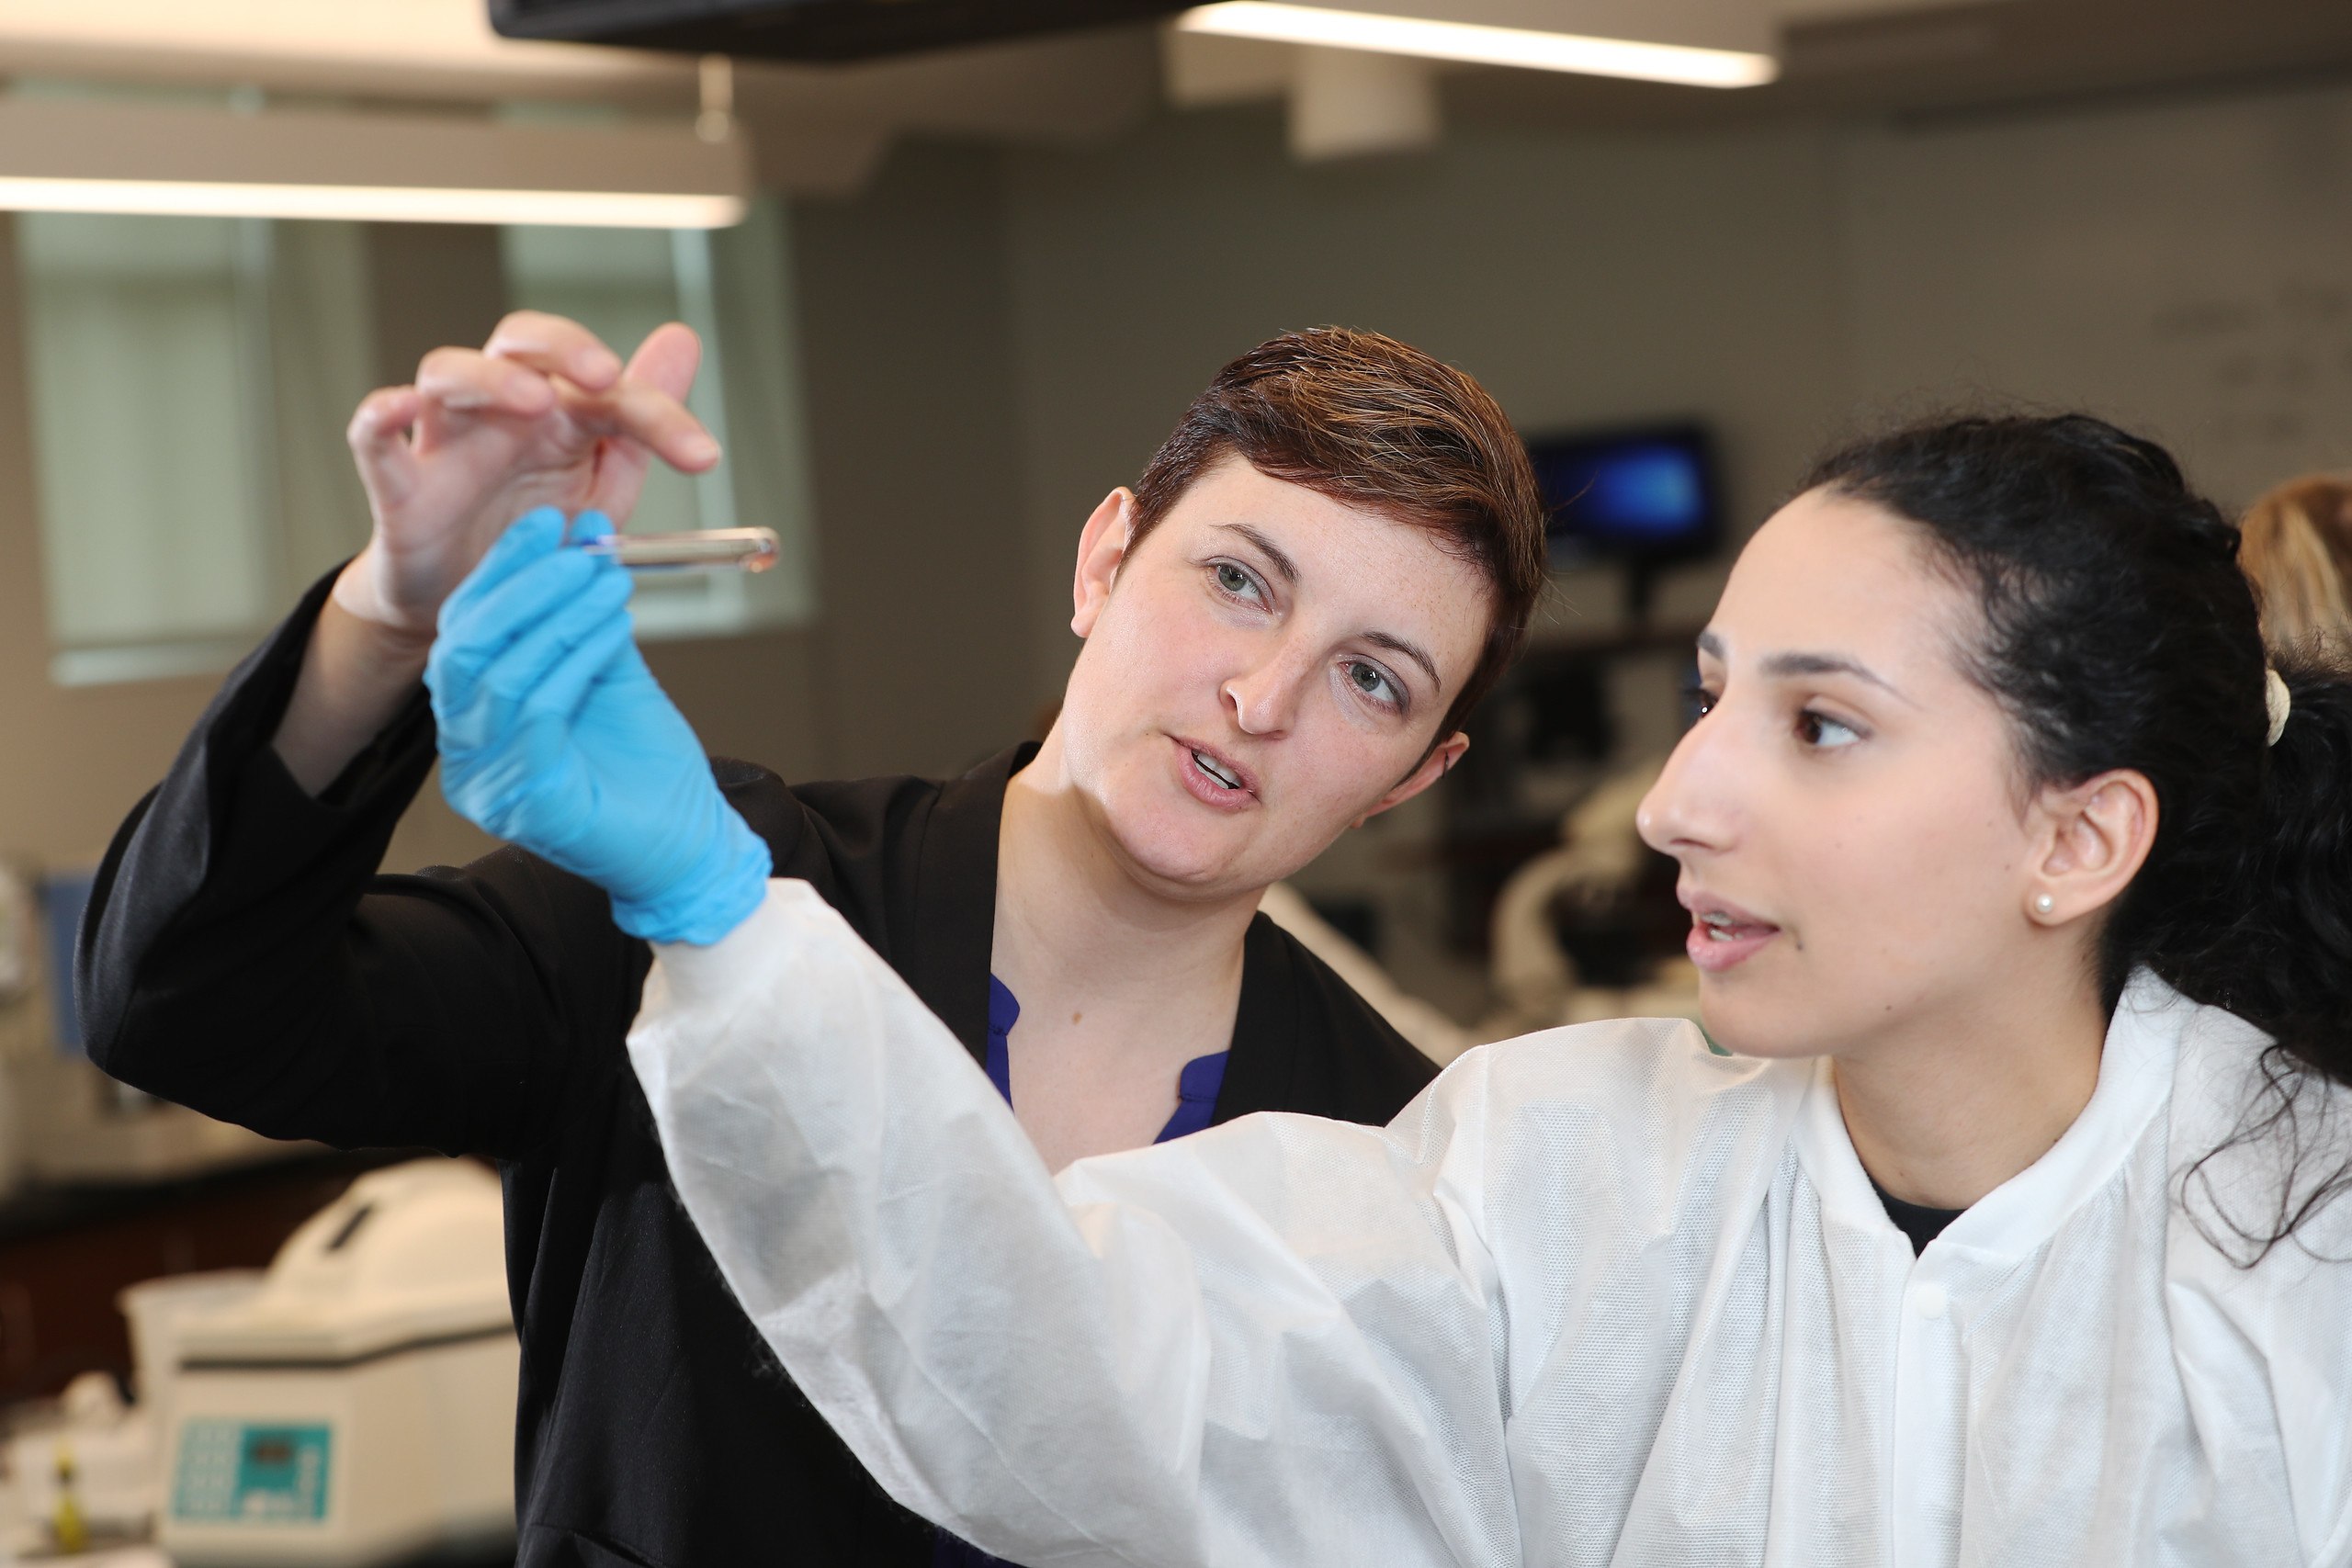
x=556, y=737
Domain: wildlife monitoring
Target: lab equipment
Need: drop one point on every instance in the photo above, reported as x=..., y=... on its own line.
x=555, y=736
x=81, y=1471
x=746, y=550
x=1600, y=1296
x=158, y=1309
x=358, y=1407
x=1597, y=867
x=66, y=1526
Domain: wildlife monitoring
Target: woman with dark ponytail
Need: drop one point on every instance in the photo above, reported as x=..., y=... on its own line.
x=2001, y=1221
x=2118, y=632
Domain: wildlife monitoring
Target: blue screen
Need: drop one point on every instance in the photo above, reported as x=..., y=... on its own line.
x=1647, y=493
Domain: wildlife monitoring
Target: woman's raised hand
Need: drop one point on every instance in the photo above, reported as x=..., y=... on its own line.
x=543, y=414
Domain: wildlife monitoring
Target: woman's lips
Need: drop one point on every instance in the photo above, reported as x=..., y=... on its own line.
x=1724, y=936
x=1207, y=787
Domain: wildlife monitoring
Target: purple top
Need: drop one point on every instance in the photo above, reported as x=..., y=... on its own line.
x=1196, y=1084
x=1196, y=1088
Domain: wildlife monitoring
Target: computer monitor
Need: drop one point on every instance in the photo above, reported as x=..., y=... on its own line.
x=1644, y=495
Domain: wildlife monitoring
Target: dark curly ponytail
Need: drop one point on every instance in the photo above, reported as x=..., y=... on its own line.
x=2119, y=632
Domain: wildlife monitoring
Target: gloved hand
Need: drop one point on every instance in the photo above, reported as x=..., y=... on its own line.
x=556, y=737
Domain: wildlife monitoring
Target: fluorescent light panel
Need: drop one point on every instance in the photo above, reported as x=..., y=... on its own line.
x=375, y=204
x=1482, y=44
x=75, y=155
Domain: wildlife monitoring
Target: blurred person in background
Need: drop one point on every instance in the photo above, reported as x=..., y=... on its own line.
x=1285, y=622
x=2298, y=551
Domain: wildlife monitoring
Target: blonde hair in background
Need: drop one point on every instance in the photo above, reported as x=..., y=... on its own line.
x=2296, y=547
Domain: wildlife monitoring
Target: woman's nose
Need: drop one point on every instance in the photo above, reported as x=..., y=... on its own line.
x=1687, y=810
x=1265, y=698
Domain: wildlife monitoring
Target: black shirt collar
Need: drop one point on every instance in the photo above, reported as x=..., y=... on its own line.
x=954, y=924
x=1918, y=1222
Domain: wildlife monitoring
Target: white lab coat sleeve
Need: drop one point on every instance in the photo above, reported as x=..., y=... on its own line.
x=1276, y=1342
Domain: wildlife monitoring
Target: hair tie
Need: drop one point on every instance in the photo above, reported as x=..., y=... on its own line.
x=2281, y=702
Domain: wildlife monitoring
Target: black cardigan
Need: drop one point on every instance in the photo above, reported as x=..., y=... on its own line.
x=242, y=956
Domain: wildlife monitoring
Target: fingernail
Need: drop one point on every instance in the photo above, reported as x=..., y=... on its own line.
x=701, y=449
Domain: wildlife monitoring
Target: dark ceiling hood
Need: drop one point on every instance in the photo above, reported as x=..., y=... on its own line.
x=809, y=29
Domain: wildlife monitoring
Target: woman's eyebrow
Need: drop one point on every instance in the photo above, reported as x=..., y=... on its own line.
x=1784, y=664
x=1830, y=663
x=1395, y=644
x=1285, y=568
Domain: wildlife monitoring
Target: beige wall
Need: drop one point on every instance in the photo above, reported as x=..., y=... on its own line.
x=922, y=660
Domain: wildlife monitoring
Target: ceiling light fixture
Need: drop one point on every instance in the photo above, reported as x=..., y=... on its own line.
x=112, y=156
x=1481, y=43
x=370, y=204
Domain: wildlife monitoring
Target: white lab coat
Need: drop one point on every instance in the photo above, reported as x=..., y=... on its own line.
x=1597, y=1296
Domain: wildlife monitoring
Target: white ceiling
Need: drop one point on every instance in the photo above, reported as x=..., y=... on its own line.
x=823, y=127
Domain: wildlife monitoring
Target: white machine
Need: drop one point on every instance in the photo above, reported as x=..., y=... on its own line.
x=359, y=1406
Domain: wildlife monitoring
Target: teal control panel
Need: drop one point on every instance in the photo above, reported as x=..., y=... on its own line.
x=250, y=1473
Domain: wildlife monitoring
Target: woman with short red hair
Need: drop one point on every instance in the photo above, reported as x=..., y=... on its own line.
x=1285, y=622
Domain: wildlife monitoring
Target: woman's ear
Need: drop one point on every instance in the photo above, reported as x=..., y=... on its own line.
x=2097, y=835
x=1433, y=767
x=1101, y=548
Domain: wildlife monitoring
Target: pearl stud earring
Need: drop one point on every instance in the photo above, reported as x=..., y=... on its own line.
x=2045, y=904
